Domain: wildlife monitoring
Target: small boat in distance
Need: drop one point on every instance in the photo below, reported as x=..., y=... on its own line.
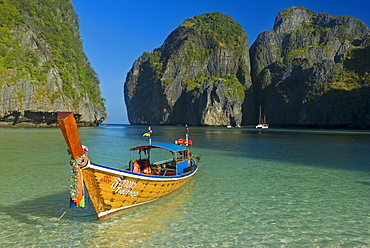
x=112, y=190
x=262, y=121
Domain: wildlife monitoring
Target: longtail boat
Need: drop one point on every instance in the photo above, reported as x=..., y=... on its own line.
x=112, y=190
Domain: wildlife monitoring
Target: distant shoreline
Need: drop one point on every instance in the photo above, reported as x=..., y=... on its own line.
x=32, y=124
x=291, y=126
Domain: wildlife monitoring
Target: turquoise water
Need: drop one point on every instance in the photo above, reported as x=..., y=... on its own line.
x=270, y=188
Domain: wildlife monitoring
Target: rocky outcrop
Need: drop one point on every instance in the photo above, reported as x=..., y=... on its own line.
x=312, y=70
x=198, y=76
x=43, y=68
x=309, y=70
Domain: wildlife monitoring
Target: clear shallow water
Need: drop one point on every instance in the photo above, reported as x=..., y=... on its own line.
x=273, y=188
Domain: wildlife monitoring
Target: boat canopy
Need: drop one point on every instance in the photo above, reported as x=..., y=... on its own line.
x=168, y=147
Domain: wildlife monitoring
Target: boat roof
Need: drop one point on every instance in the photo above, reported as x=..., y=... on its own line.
x=169, y=147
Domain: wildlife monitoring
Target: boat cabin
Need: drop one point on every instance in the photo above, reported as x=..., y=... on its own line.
x=160, y=159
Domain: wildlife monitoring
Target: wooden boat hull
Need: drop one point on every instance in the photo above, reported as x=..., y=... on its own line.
x=113, y=190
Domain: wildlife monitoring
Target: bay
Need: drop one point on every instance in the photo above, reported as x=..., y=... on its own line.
x=269, y=188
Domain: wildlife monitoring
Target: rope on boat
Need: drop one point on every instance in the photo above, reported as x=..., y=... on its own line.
x=62, y=215
x=75, y=164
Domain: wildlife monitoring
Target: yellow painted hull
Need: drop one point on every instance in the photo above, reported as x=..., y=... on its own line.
x=112, y=190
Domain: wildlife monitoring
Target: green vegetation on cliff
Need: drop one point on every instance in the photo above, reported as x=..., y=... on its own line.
x=355, y=74
x=357, y=65
x=234, y=88
x=217, y=27
x=54, y=23
x=200, y=35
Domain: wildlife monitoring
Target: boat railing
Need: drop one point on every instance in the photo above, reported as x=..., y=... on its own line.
x=164, y=166
x=163, y=161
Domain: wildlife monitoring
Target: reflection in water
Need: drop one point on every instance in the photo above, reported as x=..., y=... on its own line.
x=47, y=209
x=149, y=222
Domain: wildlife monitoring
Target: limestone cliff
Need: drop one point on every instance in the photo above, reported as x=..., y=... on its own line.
x=43, y=68
x=198, y=76
x=313, y=70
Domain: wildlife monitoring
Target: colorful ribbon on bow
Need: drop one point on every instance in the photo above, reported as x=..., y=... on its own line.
x=77, y=185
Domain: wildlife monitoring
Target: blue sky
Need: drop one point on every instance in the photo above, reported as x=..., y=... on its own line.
x=116, y=32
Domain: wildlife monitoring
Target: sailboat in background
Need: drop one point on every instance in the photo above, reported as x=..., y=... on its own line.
x=262, y=121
